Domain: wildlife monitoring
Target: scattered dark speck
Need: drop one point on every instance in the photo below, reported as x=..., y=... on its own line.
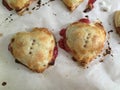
x=43, y=4
x=51, y=0
x=4, y=83
x=39, y=2
x=108, y=43
x=30, y=52
x=99, y=55
x=110, y=31
x=6, y=19
x=101, y=60
x=108, y=50
x=112, y=55
x=104, y=10
x=87, y=16
x=74, y=59
x=34, y=40
x=27, y=9
x=54, y=14
x=33, y=8
x=11, y=14
x=11, y=19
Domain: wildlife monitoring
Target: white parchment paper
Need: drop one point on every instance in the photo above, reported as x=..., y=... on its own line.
x=65, y=74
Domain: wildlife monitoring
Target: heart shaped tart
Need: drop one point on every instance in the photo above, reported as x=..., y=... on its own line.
x=36, y=49
x=83, y=40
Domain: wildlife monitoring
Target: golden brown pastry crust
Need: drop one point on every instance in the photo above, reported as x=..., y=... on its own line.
x=33, y=49
x=72, y=4
x=117, y=21
x=19, y=5
x=85, y=41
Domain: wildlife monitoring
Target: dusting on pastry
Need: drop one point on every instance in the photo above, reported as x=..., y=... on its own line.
x=83, y=40
x=36, y=49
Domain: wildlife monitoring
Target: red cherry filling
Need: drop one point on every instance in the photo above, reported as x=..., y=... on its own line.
x=90, y=5
x=62, y=41
x=85, y=20
x=91, y=1
x=55, y=53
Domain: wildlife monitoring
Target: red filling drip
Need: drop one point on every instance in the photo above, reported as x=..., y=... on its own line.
x=91, y=1
x=85, y=20
x=6, y=5
x=55, y=53
x=62, y=41
x=90, y=5
x=63, y=33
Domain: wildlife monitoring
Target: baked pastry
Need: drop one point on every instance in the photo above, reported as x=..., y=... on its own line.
x=117, y=21
x=17, y=5
x=36, y=49
x=72, y=4
x=83, y=40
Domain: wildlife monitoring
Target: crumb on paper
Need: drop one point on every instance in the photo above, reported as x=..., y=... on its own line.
x=110, y=31
x=4, y=83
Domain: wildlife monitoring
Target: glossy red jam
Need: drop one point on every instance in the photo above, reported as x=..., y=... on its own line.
x=85, y=20
x=6, y=5
x=55, y=53
x=91, y=1
x=63, y=33
x=62, y=41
